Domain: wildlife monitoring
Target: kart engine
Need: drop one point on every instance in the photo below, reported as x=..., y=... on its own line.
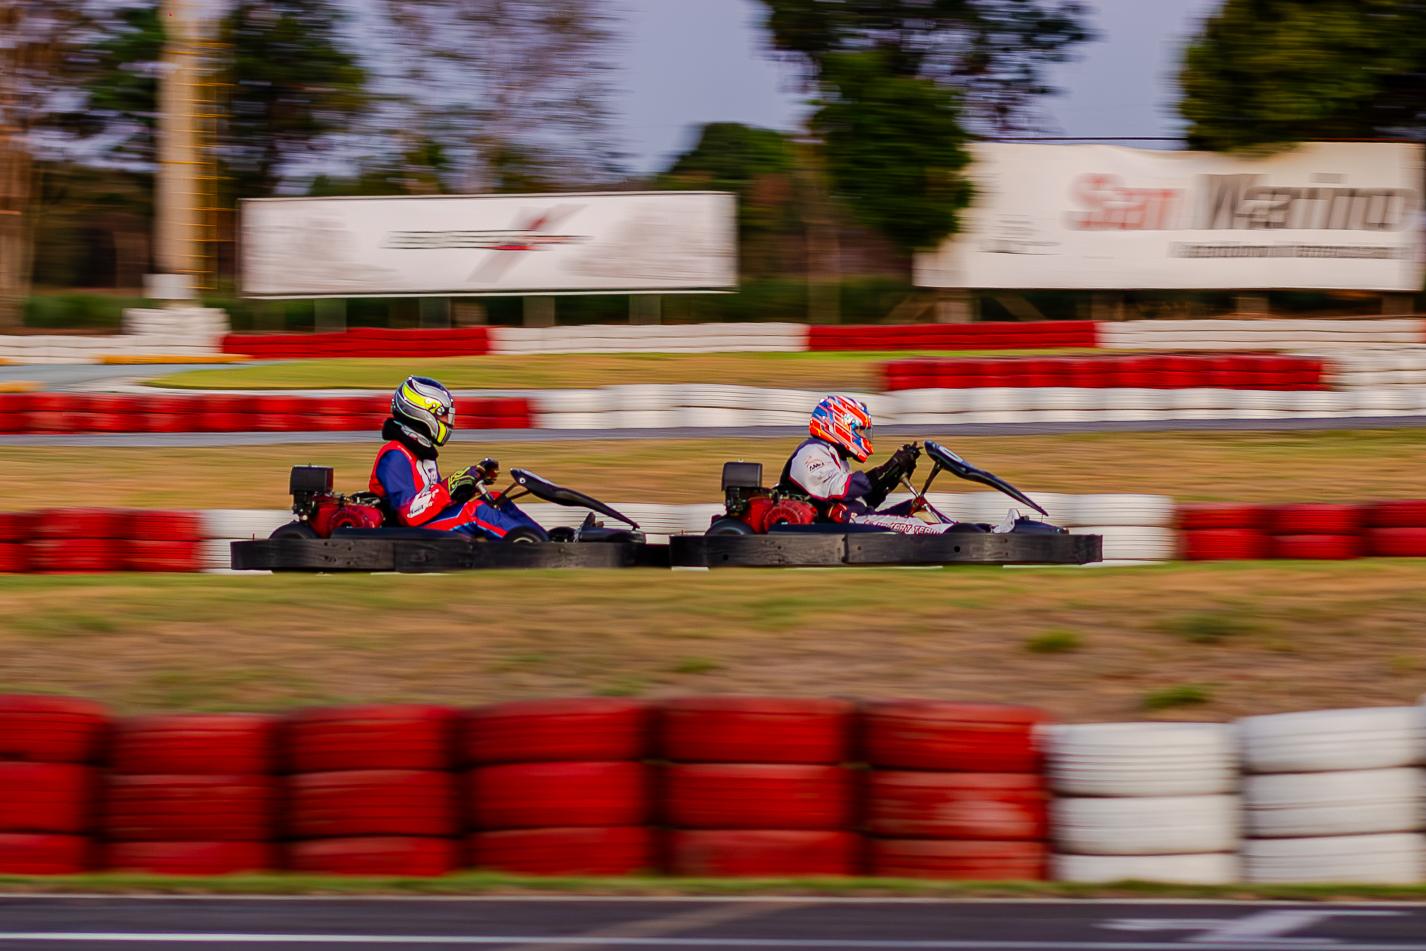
x=745, y=499
x=314, y=502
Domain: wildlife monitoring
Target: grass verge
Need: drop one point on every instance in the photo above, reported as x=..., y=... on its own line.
x=495, y=884
x=1243, y=467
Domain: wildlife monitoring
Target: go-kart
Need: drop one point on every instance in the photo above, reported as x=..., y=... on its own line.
x=770, y=526
x=357, y=532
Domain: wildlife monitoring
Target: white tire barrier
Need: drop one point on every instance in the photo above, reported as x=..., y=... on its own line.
x=1149, y=825
x=1141, y=759
x=1134, y=542
x=1390, y=859
x=1324, y=740
x=1353, y=802
x=1205, y=869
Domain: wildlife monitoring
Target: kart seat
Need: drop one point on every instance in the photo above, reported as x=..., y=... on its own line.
x=742, y=475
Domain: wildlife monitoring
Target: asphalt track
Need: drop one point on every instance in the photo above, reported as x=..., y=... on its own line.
x=476, y=436
x=679, y=924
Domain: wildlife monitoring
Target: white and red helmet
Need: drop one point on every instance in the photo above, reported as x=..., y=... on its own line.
x=845, y=423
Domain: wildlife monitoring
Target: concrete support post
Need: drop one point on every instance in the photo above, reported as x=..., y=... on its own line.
x=435, y=312
x=956, y=306
x=330, y=314
x=1106, y=305
x=539, y=311
x=176, y=224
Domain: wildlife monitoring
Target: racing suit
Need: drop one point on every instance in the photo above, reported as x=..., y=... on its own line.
x=823, y=474
x=408, y=480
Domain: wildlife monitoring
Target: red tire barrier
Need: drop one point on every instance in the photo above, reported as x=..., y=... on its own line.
x=995, y=806
x=546, y=795
x=755, y=730
x=1049, y=334
x=399, y=736
x=1216, y=516
x=159, y=526
x=149, y=555
x=1226, y=544
x=375, y=855
x=196, y=744
x=758, y=796
x=376, y=802
x=1402, y=513
x=590, y=729
x=952, y=737
x=190, y=858
x=630, y=850
x=82, y=524
x=52, y=729
x=22, y=854
x=76, y=555
x=972, y=861
x=190, y=808
x=1396, y=542
x=757, y=852
x=16, y=526
x=1315, y=519
x=1321, y=547
x=15, y=558
x=47, y=797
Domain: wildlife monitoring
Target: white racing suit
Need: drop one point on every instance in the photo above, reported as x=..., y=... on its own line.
x=819, y=470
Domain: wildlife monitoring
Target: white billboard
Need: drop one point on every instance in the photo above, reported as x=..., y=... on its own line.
x=606, y=243
x=1325, y=215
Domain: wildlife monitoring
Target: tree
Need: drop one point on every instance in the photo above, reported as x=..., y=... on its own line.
x=1272, y=72
x=895, y=149
x=995, y=52
x=529, y=80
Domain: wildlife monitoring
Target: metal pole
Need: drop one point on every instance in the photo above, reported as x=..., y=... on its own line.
x=179, y=155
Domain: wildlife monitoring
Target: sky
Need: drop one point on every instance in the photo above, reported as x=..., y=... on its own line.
x=687, y=62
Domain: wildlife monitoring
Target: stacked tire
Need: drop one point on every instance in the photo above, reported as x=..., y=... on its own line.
x=15, y=529
x=560, y=787
x=164, y=541
x=1144, y=801
x=1396, y=529
x=78, y=540
x=1224, y=532
x=372, y=790
x=1316, y=531
x=758, y=786
x=192, y=794
x=1335, y=796
x=956, y=790
x=49, y=783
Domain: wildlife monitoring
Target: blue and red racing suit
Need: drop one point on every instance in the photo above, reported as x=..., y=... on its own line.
x=418, y=497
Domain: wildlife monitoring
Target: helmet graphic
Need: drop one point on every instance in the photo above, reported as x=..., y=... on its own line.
x=845, y=423
x=425, y=408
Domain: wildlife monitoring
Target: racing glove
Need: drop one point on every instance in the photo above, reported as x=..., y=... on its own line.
x=462, y=486
x=489, y=470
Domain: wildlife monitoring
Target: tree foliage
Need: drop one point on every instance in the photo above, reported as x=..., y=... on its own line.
x=995, y=52
x=1266, y=72
x=895, y=149
x=518, y=90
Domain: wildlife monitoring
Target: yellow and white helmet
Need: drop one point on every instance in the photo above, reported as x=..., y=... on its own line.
x=425, y=407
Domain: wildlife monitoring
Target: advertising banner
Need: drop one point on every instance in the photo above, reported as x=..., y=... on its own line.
x=1324, y=215
x=606, y=243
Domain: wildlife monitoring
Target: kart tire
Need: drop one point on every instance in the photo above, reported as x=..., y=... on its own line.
x=756, y=730
x=763, y=853
x=524, y=536
x=52, y=729
x=952, y=737
x=563, y=534
x=757, y=796
x=951, y=859
x=792, y=550
x=47, y=797
x=196, y=744
x=190, y=808
x=394, y=736
x=1011, y=548
x=190, y=858
x=919, y=805
x=546, y=795
x=294, y=530
x=590, y=729
x=30, y=854
x=374, y=802
x=421, y=857
x=622, y=850
x=728, y=526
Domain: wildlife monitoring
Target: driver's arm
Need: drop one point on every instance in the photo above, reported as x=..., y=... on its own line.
x=413, y=506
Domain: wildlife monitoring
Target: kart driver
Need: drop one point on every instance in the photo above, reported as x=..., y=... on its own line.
x=818, y=470
x=406, y=476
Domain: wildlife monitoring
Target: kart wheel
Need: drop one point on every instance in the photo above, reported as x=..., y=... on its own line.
x=563, y=534
x=729, y=526
x=294, y=530
x=522, y=536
